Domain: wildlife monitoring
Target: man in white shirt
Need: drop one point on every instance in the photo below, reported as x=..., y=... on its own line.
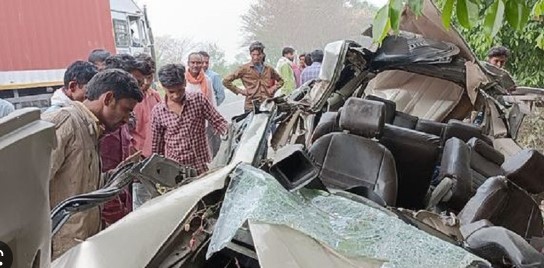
x=197, y=80
x=76, y=77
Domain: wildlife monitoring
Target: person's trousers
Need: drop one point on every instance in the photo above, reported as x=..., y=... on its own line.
x=214, y=140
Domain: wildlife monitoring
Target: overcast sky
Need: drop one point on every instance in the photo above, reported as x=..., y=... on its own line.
x=203, y=21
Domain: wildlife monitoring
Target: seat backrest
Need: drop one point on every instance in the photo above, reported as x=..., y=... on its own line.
x=463, y=131
x=455, y=164
x=526, y=169
x=504, y=204
x=416, y=155
x=400, y=119
x=496, y=244
x=485, y=162
x=349, y=159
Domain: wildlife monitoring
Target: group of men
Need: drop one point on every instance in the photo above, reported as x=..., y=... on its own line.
x=109, y=111
x=294, y=74
x=262, y=81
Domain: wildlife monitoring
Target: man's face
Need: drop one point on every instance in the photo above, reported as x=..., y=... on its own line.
x=100, y=65
x=301, y=61
x=290, y=56
x=75, y=91
x=205, y=63
x=116, y=112
x=499, y=61
x=148, y=80
x=176, y=93
x=195, y=64
x=139, y=77
x=256, y=57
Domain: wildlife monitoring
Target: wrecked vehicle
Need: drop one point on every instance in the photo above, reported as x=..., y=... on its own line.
x=398, y=156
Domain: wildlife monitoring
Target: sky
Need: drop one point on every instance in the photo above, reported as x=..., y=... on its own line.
x=204, y=21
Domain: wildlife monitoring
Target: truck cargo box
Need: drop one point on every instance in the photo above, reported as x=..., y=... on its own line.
x=41, y=38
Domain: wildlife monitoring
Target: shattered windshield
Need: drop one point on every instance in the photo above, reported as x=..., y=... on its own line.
x=349, y=227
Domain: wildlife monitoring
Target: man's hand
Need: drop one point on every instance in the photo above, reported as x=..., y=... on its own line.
x=272, y=90
x=243, y=92
x=131, y=121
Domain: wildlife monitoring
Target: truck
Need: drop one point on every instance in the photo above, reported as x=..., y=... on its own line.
x=41, y=38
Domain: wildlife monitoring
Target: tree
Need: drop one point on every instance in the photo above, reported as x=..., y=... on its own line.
x=491, y=15
x=304, y=24
x=173, y=50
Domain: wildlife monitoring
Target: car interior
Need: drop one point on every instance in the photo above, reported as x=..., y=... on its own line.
x=452, y=167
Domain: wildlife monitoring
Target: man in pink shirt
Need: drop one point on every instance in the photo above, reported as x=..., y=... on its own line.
x=142, y=112
x=141, y=132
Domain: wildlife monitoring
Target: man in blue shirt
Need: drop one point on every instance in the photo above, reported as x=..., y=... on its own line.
x=217, y=81
x=312, y=71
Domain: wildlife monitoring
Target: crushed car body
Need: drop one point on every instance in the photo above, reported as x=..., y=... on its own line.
x=397, y=156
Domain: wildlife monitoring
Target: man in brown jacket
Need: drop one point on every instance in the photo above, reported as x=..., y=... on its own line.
x=75, y=162
x=260, y=80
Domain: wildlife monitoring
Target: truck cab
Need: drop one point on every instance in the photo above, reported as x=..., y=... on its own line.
x=130, y=28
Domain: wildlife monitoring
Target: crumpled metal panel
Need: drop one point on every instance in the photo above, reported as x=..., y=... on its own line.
x=429, y=24
x=280, y=246
x=333, y=52
x=25, y=156
x=134, y=240
x=350, y=228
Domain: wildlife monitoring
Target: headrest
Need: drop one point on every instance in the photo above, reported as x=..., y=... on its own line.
x=405, y=120
x=390, y=107
x=526, y=169
x=363, y=117
x=464, y=131
x=486, y=150
x=431, y=127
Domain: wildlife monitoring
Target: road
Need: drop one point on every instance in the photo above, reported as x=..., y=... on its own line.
x=232, y=106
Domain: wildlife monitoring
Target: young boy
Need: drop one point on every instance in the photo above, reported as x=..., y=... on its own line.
x=178, y=124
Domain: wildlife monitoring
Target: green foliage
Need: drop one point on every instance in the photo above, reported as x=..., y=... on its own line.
x=415, y=5
x=538, y=8
x=467, y=12
x=515, y=13
x=382, y=24
x=525, y=62
x=494, y=18
x=447, y=12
